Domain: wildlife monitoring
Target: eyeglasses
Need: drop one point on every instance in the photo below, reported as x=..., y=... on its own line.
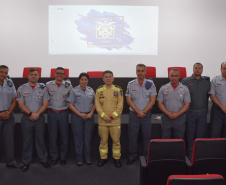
x=57, y=73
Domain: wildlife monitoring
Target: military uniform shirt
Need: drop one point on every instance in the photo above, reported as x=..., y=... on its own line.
x=141, y=94
x=174, y=99
x=58, y=95
x=82, y=100
x=32, y=98
x=7, y=93
x=198, y=91
x=109, y=101
x=218, y=88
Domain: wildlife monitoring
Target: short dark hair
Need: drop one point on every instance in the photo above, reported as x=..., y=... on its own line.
x=4, y=66
x=142, y=65
x=222, y=64
x=107, y=71
x=83, y=74
x=197, y=63
x=32, y=70
x=60, y=68
x=174, y=69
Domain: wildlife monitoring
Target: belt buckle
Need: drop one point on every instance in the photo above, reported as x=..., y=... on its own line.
x=57, y=111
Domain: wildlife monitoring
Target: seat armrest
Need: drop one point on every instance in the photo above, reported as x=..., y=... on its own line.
x=143, y=171
x=189, y=166
x=143, y=162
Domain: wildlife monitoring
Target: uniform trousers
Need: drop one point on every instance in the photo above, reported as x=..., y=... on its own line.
x=175, y=126
x=218, y=122
x=82, y=131
x=196, y=122
x=135, y=123
x=115, y=132
x=33, y=130
x=7, y=137
x=58, y=123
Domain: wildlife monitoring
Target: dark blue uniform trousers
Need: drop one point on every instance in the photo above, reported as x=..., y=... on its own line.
x=218, y=122
x=195, y=128
x=134, y=126
x=82, y=132
x=7, y=137
x=58, y=123
x=33, y=129
x=177, y=126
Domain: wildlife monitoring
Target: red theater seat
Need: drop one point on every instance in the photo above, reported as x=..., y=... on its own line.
x=209, y=156
x=209, y=179
x=165, y=157
x=183, y=72
x=95, y=74
x=26, y=69
x=52, y=73
x=150, y=72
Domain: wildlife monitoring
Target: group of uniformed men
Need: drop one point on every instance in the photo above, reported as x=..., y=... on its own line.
x=181, y=103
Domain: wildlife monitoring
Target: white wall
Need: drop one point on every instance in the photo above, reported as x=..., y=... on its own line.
x=189, y=31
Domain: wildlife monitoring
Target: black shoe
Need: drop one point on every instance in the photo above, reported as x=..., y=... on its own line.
x=45, y=164
x=79, y=164
x=63, y=162
x=117, y=163
x=25, y=167
x=89, y=163
x=16, y=165
x=53, y=162
x=101, y=162
x=129, y=161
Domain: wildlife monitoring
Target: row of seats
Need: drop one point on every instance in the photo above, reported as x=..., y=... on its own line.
x=168, y=157
x=150, y=72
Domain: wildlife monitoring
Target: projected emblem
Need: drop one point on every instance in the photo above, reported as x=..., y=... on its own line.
x=105, y=30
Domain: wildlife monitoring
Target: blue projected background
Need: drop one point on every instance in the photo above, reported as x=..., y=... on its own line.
x=116, y=30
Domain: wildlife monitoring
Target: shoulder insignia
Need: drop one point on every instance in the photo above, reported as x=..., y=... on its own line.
x=148, y=85
x=42, y=85
x=67, y=83
x=10, y=82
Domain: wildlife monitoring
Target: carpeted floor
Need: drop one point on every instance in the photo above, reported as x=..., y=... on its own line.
x=71, y=174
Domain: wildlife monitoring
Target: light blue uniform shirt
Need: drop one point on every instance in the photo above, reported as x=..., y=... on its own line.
x=58, y=95
x=7, y=93
x=82, y=100
x=32, y=98
x=218, y=88
x=174, y=99
x=141, y=94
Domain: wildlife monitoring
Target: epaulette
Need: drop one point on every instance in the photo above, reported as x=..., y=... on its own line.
x=9, y=82
x=19, y=89
x=42, y=85
x=148, y=84
x=67, y=83
x=118, y=87
x=100, y=88
x=132, y=81
x=207, y=78
x=49, y=82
